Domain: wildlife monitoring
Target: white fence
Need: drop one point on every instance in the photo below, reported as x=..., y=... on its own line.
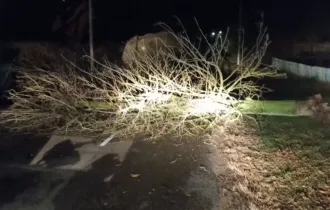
x=302, y=70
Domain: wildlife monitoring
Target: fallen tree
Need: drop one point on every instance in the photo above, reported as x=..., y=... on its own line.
x=157, y=94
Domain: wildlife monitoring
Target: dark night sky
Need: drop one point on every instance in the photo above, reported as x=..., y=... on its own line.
x=118, y=20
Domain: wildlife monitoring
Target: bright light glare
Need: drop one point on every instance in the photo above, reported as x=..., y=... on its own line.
x=206, y=106
x=156, y=97
x=145, y=99
x=213, y=33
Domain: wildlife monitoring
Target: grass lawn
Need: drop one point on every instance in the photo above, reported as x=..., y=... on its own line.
x=299, y=149
x=280, y=107
x=297, y=133
x=283, y=163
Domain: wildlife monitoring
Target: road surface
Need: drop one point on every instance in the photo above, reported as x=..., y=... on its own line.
x=73, y=173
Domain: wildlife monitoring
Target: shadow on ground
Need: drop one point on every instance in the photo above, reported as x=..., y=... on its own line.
x=20, y=148
x=167, y=174
x=56, y=189
x=85, y=190
x=63, y=153
x=15, y=183
x=162, y=175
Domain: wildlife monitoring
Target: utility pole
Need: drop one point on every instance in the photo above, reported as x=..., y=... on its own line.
x=137, y=14
x=239, y=41
x=91, y=39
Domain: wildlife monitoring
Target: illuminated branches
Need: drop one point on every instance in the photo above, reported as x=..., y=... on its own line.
x=157, y=94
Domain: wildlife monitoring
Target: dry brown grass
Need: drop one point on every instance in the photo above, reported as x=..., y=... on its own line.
x=284, y=177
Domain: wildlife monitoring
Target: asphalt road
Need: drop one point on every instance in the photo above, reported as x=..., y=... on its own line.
x=43, y=173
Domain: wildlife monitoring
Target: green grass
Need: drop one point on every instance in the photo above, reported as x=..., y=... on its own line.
x=298, y=133
x=298, y=151
x=282, y=107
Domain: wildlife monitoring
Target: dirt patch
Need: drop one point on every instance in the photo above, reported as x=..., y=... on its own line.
x=234, y=152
